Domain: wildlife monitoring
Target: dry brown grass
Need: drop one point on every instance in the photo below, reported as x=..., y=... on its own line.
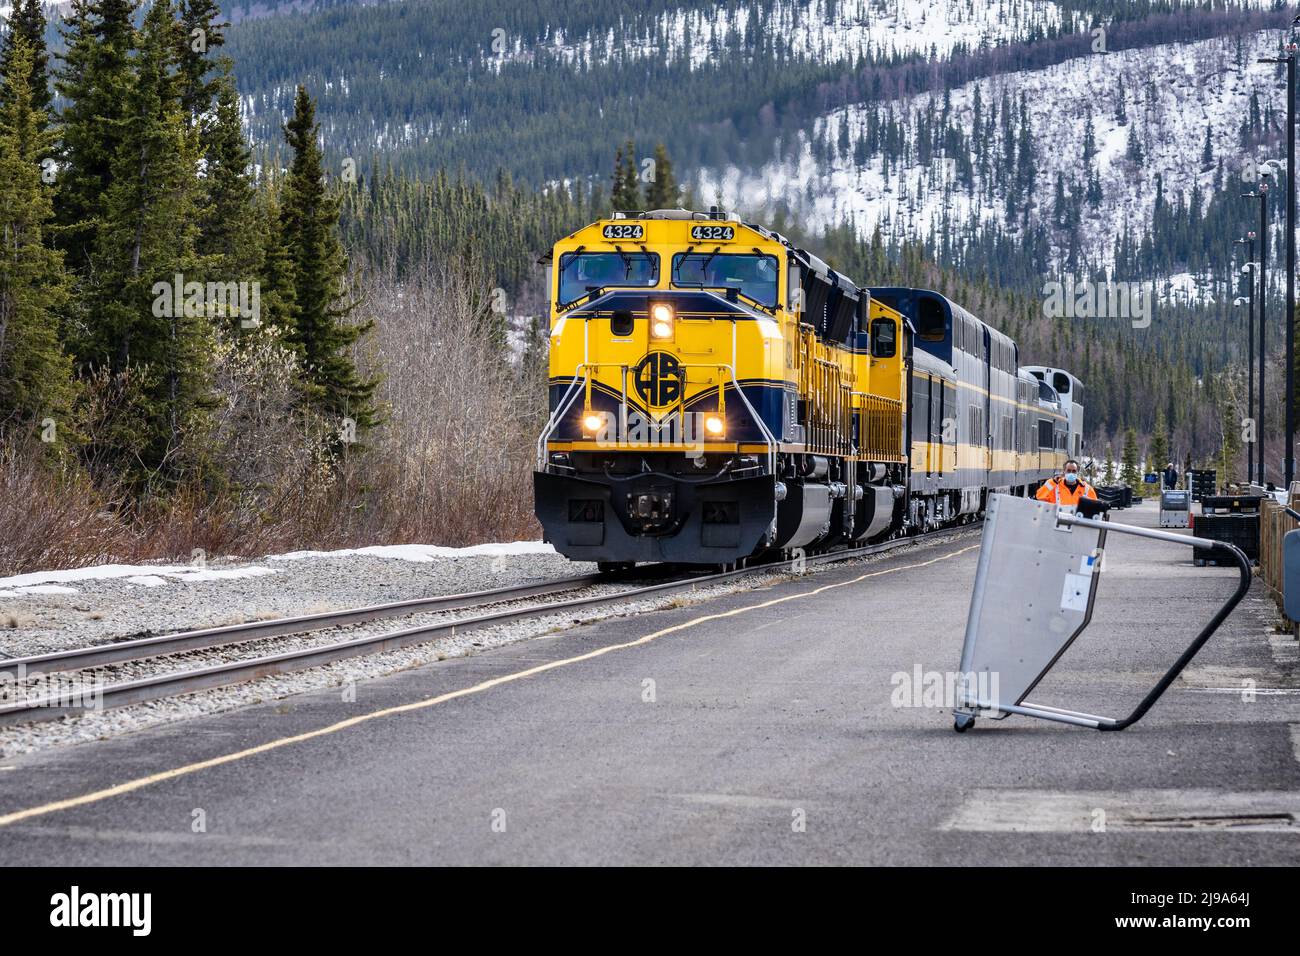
x=452, y=465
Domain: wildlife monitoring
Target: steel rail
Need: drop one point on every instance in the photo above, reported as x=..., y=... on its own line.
x=177, y=683
x=146, y=647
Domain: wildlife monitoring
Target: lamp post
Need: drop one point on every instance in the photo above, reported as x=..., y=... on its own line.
x=1288, y=447
x=1249, y=300
x=1261, y=193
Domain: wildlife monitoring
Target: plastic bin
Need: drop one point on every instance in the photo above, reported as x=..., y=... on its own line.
x=1241, y=530
x=1231, y=504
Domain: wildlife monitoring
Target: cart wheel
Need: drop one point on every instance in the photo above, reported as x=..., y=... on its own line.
x=962, y=723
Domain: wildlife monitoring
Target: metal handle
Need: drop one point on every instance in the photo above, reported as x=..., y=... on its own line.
x=1243, y=585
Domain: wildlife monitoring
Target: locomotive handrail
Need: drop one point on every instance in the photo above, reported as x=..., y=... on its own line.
x=553, y=421
x=582, y=380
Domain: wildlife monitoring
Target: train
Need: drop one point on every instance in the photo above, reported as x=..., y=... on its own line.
x=717, y=393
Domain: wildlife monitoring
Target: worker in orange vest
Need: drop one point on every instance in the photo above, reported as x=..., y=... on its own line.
x=1067, y=489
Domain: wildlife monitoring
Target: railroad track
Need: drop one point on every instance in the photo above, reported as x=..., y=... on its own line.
x=72, y=699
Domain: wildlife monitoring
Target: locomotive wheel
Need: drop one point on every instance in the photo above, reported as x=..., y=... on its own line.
x=614, y=568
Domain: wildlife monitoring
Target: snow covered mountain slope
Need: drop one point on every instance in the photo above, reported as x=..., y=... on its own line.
x=823, y=30
x=1171, y=95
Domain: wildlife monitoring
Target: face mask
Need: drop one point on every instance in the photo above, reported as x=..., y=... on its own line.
x=1071, y=478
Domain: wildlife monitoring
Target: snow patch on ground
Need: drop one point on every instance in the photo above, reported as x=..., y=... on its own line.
x=147, y=580
x=152, y=576
x=425, y=552
x=40, y=582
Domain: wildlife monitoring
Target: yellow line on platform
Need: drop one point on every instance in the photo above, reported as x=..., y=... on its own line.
x=130, y=786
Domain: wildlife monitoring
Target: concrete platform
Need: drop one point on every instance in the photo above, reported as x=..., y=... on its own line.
x=766, y=727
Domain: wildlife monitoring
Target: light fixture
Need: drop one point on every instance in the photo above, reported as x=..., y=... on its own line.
x=714, y=425
x=661, y=321
x=592, y=422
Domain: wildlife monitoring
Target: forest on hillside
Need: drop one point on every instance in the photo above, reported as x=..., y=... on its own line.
x=548, y=119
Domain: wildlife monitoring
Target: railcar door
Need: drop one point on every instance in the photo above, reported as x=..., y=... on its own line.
x=986, y=422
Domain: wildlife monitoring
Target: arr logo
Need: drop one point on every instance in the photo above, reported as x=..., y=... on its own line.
x=103, y=909
x=658, y=379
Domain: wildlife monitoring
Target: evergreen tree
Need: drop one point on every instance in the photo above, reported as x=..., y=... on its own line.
x=1134, y=150
x=146, y=238
x=278, y=295
x=1207, y=151
x=199, y=33
x=1089, y=140
x=626, y=195
x=35, y=374
x=663, y=192
x=228, y=232
x=1129, y=473
x=1159, y=442
x=95, y=80
x=1094, y=193
x=309, y=220
x=27, y=25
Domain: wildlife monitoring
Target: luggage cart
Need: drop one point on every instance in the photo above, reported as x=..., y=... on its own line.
x=1175, y=509
x=1035, y=587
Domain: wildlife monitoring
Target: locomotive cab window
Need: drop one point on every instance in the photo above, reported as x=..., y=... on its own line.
x=884, y=338
x=754, y=276
x=582, y=272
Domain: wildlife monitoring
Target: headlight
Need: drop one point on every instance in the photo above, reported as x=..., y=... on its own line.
x=661, y=322
x=714, y=425
x=592, y=422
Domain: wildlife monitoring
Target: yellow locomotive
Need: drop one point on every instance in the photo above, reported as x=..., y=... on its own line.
x=716, y=391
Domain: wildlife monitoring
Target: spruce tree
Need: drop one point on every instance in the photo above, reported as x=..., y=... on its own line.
x=1228, y=451
x=1160, y=442
x=1134, y=150
x=626, y=196
x=35, y=374
x=1089, y=140
x=27, y=25
x=200, y=32
x=663, y=192
x=321, y=336
x=1129, y=474
x=228, y=233
x=146, y=238
x=278, y=296
x=95, y=80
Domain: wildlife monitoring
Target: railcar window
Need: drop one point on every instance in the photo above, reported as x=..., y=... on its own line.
x=1045, y=433
x=931, y=324
x=754, y=275
x=884, y=338
x=580, y=271
x=920, y=408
